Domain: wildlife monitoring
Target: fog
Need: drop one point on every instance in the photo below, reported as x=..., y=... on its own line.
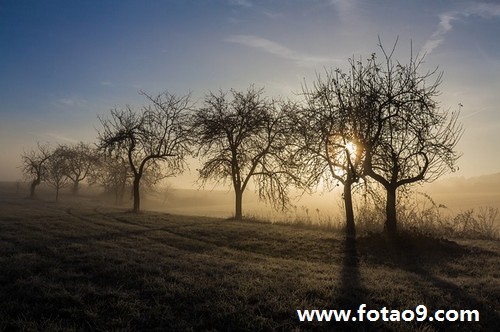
x=453, y=194
x=466, y=193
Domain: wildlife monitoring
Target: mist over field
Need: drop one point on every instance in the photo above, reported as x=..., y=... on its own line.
x=454, y=195
x=467, y=193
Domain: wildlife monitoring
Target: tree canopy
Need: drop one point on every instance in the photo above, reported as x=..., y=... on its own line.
x=158, y=133
x=244, y=136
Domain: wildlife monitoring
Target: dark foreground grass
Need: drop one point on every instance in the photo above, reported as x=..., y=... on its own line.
x=76, y=266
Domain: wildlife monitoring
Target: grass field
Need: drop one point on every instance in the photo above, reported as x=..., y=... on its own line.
x=82, y=265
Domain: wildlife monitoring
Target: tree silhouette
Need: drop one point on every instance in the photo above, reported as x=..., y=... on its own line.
x=410, y=138
x=330, y=129
x=387, y=111
x=113, y=174
x=33, y=165
x=80, y=158
x=160, y=132
x=57, y=170
x=245, y=136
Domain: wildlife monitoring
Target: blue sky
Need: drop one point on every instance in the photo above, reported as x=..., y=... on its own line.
x=64, y=62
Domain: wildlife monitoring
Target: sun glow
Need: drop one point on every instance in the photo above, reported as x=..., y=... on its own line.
x=351, y=148
x=343, y=154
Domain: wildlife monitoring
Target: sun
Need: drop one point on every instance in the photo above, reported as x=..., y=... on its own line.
x=351, y=148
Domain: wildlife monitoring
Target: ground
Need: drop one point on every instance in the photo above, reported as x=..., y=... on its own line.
x=83, y=265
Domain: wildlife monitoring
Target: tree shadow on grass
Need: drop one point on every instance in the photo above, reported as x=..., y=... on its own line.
x=422, y=256
x=352, y=293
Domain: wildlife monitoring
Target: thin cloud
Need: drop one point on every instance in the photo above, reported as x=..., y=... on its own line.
x=271, y=14
x=343, y=6
x=248, y=5
x=446, y=21
x=346, y=11
x=107, y=83
x=59, y=137
x=69, y=102
x=241, y=3
x=278, y=50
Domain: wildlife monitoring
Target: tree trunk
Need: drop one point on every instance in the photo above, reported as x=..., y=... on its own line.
x=119, y=189
x=137, y=198
x=35, y=183
x=390, y=227
x=238, y=204
x=349, y=212
x=119, y=196
x=75, y=188
x=57, y=193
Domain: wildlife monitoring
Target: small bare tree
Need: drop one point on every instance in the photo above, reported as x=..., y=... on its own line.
x=56, y=169
x=113, y=174
x=80, y=158
x=244, y=136
x=34, y=165
x=160, y=132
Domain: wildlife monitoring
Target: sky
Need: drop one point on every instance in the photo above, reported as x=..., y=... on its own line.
x=63, y=63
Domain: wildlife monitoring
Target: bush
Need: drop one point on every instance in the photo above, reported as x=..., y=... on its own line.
x=425, y=216
x=482, y=224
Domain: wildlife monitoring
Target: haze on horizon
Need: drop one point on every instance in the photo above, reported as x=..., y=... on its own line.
x=63, y=63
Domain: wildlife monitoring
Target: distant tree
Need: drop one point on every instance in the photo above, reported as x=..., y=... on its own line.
x=34, y=165
x=56, y=170
x=113, y=174
x=410, y=138
x=245, y=136
x=80, y=158
x=158, y=133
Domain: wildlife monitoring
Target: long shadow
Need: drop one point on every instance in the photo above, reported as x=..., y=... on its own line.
x=462, y=299
x=351, y=292
x=418, y=255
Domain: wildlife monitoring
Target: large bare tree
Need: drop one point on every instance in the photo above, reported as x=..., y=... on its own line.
x=387, y=112
x=412, y=138
x=34, y=165
x=158, y=134
x=244, y=136
x=330, y=129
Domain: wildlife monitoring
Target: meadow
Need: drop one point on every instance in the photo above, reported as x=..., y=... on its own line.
x=86, y=265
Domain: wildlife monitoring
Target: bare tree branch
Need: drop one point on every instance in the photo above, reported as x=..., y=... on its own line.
x=245, y=137
x=34, y=165
x=160, y=132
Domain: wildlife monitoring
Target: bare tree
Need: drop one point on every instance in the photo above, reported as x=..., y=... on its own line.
x=244, y=136
x=34, y=165
x=160, y=132
x=113, y=174
x=80, y=158
x=56, y=170
x=388, y=114
x=412, y=139
x=330, y=129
